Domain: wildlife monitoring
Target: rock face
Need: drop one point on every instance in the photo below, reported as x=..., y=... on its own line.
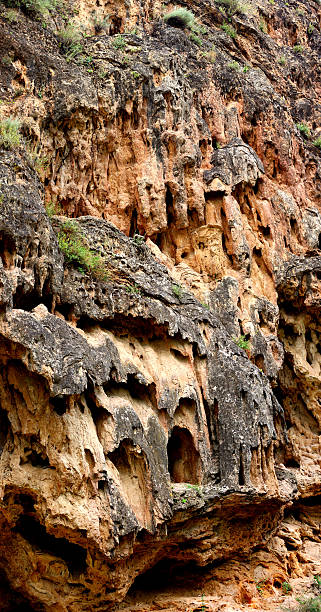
x=160, y=292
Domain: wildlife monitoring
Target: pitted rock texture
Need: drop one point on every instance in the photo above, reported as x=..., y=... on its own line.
x=160, y=412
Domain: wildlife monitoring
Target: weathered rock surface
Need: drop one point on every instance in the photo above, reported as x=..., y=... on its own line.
x=148, y=461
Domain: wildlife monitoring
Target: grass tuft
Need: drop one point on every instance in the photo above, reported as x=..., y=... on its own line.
x=180, y=18
x=9, y=133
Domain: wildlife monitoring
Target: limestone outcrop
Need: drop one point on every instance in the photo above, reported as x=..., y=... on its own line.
x=160, y=273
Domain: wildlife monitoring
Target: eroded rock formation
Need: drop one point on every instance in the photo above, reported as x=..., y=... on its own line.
x=147, y=460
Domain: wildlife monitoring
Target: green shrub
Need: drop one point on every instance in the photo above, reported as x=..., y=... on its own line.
x=196, y=39
x=100, y=25
x=70, y=38
x=138, y=239
x=9, y=133
x=119, y=42
x=11, y=15
x=234, y=66
x=317, y=142
x=297, y=48
x=229, y=30
x=53, y=208
x=304, y=129
x=242, y=342
x=76, y=252
x=310, y=604
x=180, y=18
x=39, y=7
x=230, y=6
x=282, y=60
x=177, y=290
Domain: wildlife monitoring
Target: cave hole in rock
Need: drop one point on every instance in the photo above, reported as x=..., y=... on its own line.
x=7, y=250
x=4, y=428
x=164, y=574
x=183, y=458
x=59, y=404
x=216, y=196
x=193, y=218
x=179, y=355
x=259, y=362
x=211, y=413
x=265, y=230
x=132, y=465
x=136, y=389
x=257, y=186
x=115, y=25
x=294, y=226
x=309, y=347
x=36, y=534
x=35, y=454
x=66, y=310
x=169, y=206
x=241, y=469
x=291, y=462
x=90, y=459
x=22, y=501
x=133, y=223
x=135, y=116
x=257, y=252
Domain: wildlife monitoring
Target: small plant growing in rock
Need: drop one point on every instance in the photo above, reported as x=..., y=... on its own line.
x=70, y=39
x=53, y=208
x=262, y=26
x=298, y=49
x=37, y=161
x=303, y=129
x=138, y=239
x=133, y=289
x=317, y=581
x=242, y=342
x=234, y=66
x=310, y=604
x=11, y=15
x=282, y=60
x=231, y=6
x=196, y=39
x=119, y=42
x=38, y=7
x=229, y=30
x=180, y=18
x=177, y=290
x=10, y=133
x=100, y=25
x=260, y=586
x=286, y=587
x=73, y=245
x=317, y=142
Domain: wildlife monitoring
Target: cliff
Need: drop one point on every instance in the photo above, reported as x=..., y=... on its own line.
x=160, y=296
